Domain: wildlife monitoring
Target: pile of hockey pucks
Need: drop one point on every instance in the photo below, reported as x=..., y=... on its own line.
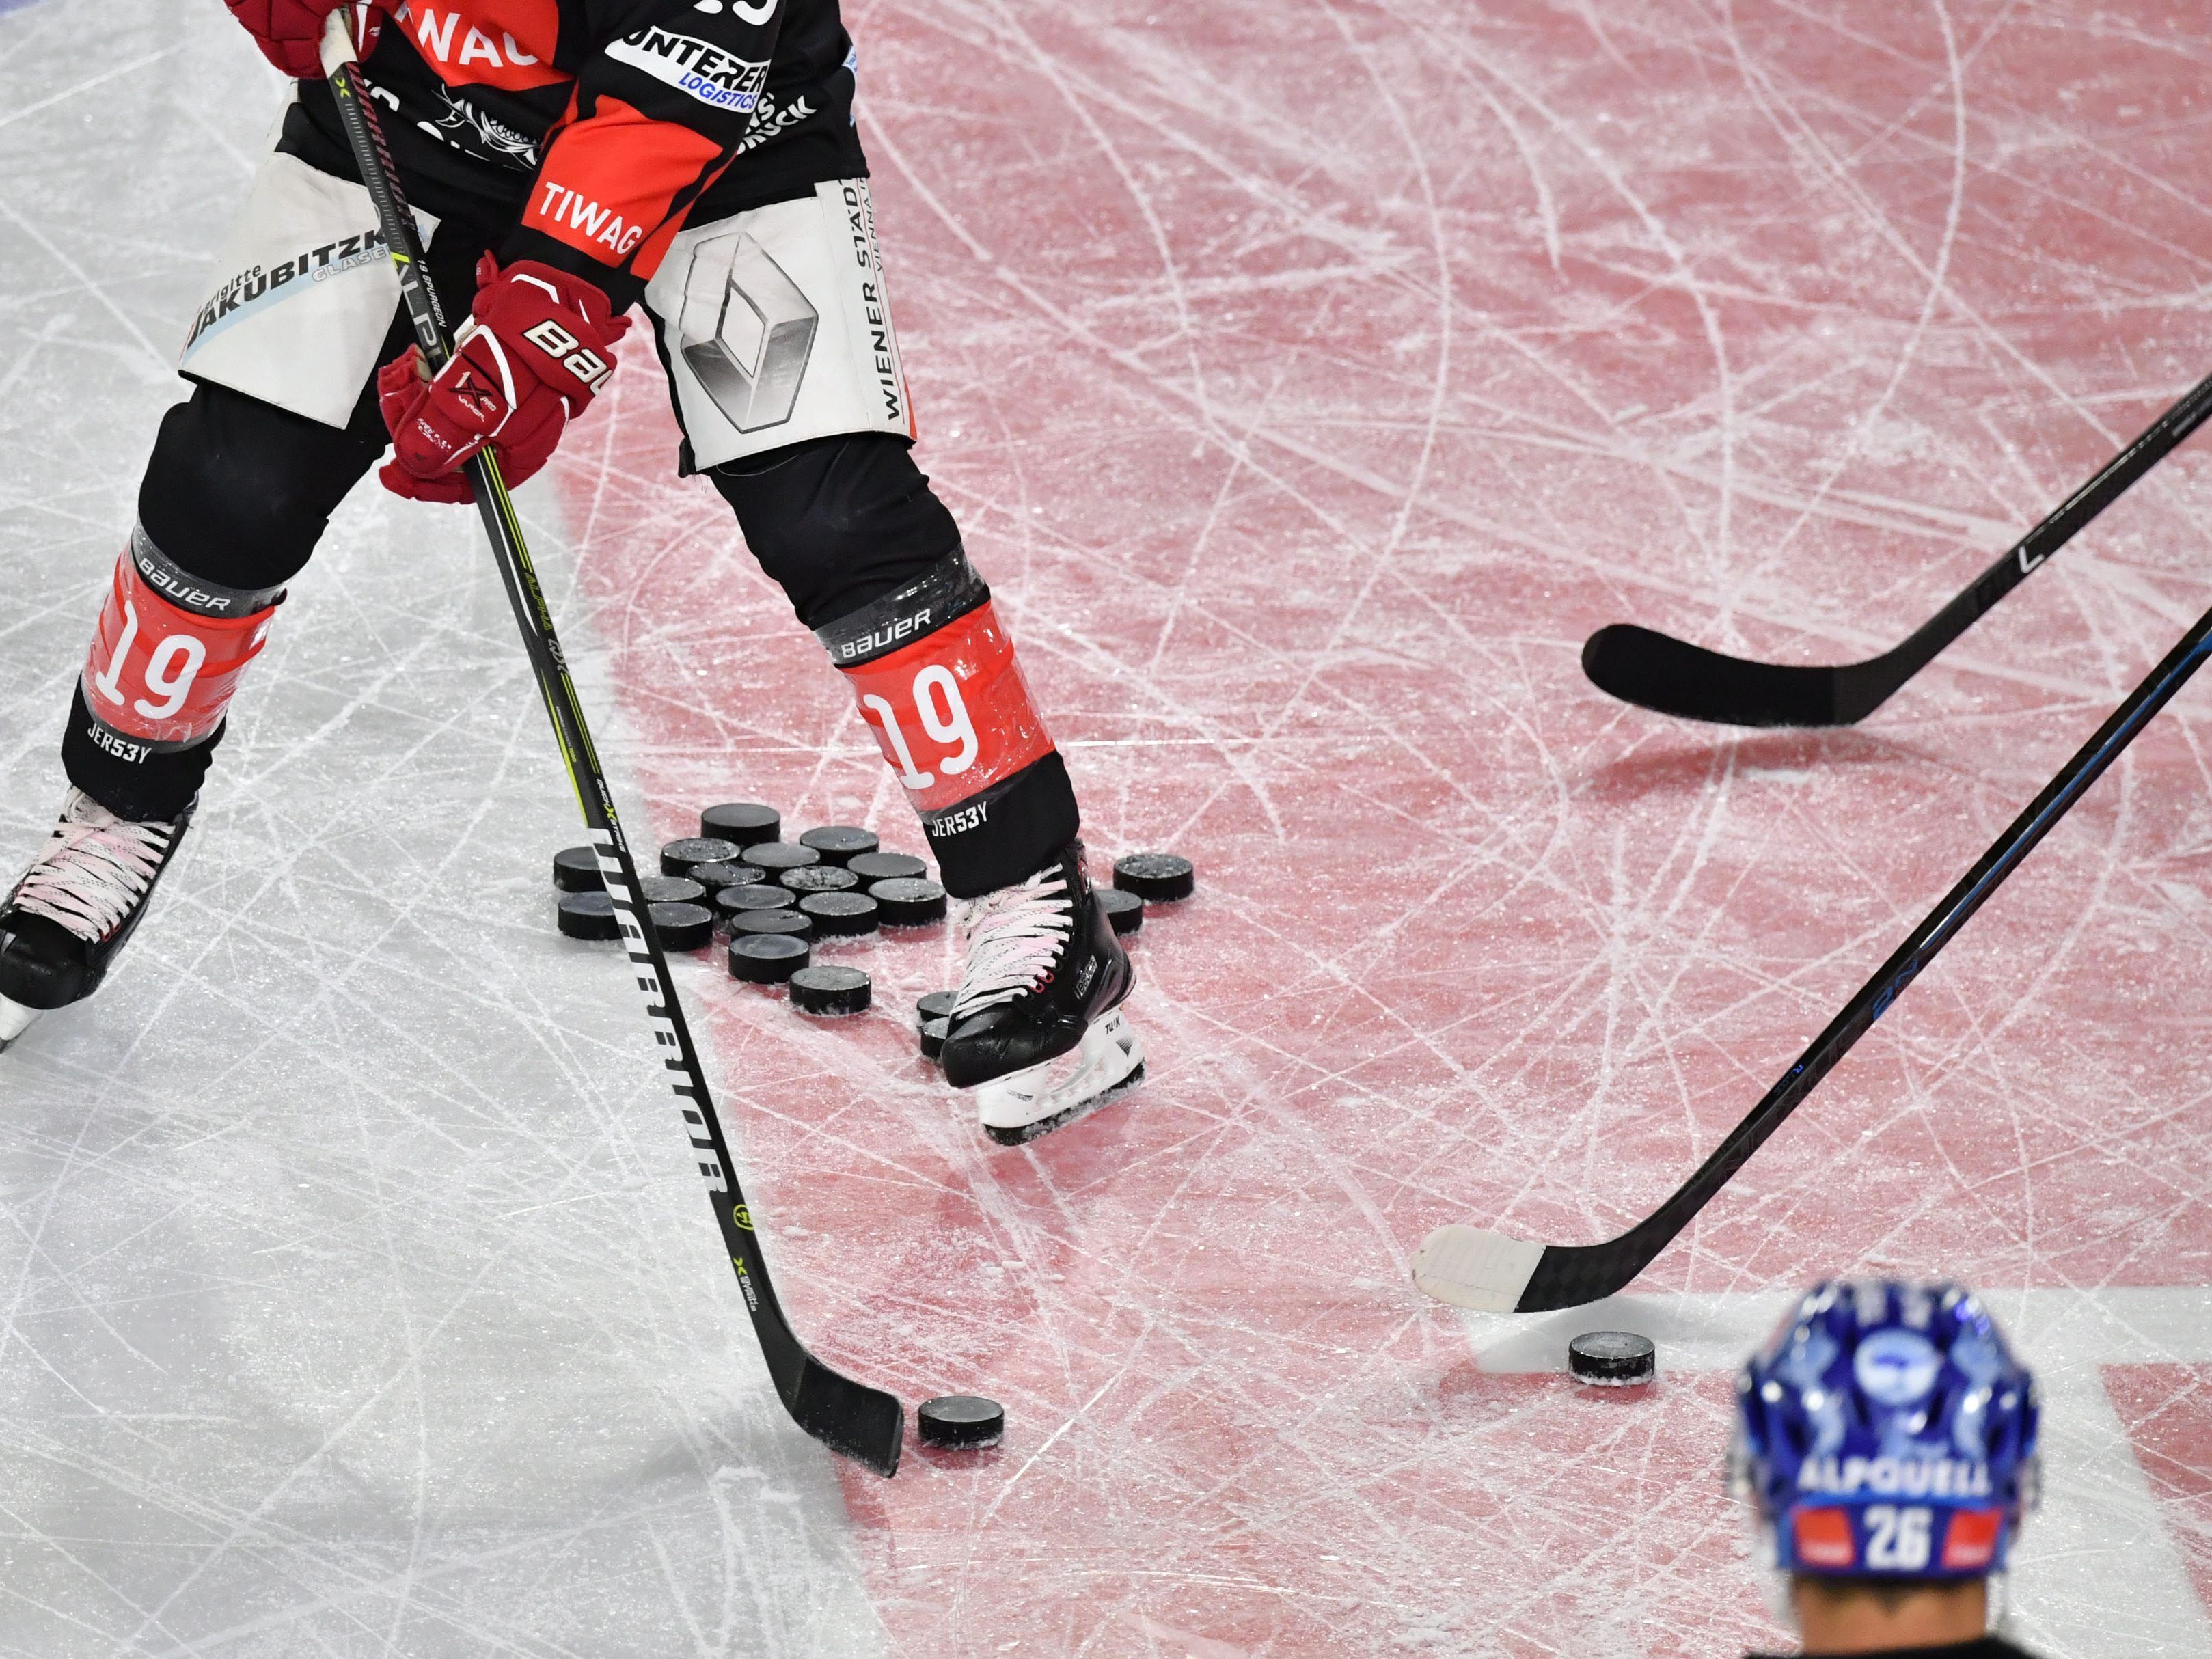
x=772, y=900
x=676, y=898
x=1140, y=879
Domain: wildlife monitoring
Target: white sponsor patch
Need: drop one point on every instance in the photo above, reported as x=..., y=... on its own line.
x=697, y=67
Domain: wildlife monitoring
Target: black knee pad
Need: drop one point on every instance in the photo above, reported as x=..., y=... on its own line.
x=237, y=491
x=838, y=522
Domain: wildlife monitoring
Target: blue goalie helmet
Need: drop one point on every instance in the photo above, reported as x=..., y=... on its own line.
x=1887, y=1432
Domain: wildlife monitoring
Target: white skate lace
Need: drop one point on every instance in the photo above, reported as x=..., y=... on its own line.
x=93, y=869
x=1014, y=936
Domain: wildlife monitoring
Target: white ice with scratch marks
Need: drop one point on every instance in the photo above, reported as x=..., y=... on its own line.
x=1310, y=380
x=358, y=1295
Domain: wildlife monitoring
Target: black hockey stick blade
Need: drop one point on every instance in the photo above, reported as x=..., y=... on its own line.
x=1478, y=1267
x=1672, y=676
x=853, y=1419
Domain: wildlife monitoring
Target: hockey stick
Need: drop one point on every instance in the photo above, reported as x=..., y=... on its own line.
x=1475, y=1267
x=864, y=1424
x=1657, y=671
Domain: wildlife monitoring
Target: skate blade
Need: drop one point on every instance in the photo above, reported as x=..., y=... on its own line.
x=1017, y=1109
x=14, y=1020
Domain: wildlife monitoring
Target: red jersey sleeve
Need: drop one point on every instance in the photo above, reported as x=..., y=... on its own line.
x=656, y=116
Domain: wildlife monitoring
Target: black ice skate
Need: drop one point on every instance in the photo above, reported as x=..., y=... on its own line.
x=75, y=906
x=1036, y=1027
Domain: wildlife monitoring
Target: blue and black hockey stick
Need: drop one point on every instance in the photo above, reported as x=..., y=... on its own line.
x=1476, y=1268
x=1657, y=671
x=864, y=1424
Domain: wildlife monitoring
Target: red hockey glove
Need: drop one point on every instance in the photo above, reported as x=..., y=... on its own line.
x=290, y=32
x=530, y=358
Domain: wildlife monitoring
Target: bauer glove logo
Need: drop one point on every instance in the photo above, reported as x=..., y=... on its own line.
x=556, y=342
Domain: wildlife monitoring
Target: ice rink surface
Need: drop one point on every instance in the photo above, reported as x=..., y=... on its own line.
x=1310, y=380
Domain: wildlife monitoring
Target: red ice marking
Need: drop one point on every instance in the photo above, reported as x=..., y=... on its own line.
x=1313, y=422
x=2167, y=1413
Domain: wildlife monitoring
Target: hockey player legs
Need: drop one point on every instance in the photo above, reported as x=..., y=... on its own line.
x=803, y=428
x=850, y=529
x=773, y=324
x=235, y=496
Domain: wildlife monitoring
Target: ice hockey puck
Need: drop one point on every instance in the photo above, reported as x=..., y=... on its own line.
x=888, y=867
x=797, y=923
x=1156, y=877
x=576, y=870
x=683, y=927
x=1123, y=909
x=777, y=856
x=767, y=958
x=715, y=877
x=965, y=1420
x=761, y=897
x=672, y=889
x=831, y=991
x=907, y=903
x=819, y=878
x=677, y=857
x=841, y=915
x=1612, y=1359
x=840, y=843
x=933, y=1022
x=747, y=822
x=589, y=915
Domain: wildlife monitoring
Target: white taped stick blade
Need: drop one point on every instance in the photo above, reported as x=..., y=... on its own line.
x=1474, y=1268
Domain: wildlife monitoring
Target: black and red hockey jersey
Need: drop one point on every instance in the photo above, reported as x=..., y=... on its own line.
x=596, y=128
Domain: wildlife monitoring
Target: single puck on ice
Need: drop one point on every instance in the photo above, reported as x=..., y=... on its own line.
x=796, y=923
x=767, y=958
x=907, y=903
x=672, y=889
x=888, y=867
x=819, y=878
x=961, y=1420
x=677, y=857
x=841, y=843
x=841, y=915
x=831, y=991
x=589, y=915
x=1123, y=909
x=747, y=822
x=576, y=870
x=1612, y=1359
x=761, y=897
x=933, y=1033
x=683, y=927
x=715, y=877
x=1156, y=877
x=777, y=856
